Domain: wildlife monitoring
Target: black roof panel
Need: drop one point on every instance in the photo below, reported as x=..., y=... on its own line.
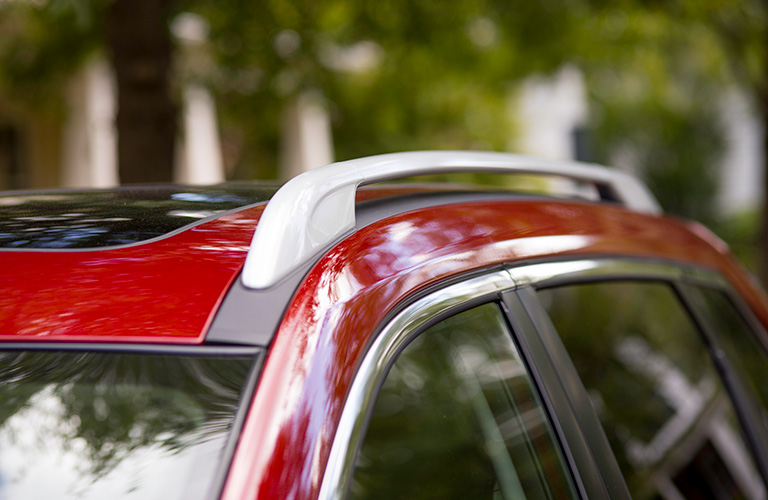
x=105, y=218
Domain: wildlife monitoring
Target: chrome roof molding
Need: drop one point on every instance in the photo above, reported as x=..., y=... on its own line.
x=313, y=209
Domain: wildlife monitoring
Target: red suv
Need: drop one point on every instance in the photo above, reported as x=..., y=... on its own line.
x=322, y=341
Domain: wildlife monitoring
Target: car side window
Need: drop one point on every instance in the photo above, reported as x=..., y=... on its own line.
x=458, y=417
x=738, y=340
x=655, y=389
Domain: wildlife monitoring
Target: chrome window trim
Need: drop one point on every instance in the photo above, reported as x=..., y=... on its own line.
x=426, y=311
x=382, y=353
x=556, y=273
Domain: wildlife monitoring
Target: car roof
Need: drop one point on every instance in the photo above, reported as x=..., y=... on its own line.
x=162, y=290
x=183, y=286
x=169, y=289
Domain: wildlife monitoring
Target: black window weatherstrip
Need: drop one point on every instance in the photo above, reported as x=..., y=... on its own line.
x=583, y=462
x=246, y=396
x=422, y=313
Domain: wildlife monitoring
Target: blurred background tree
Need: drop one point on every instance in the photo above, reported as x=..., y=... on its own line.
x=403, y=75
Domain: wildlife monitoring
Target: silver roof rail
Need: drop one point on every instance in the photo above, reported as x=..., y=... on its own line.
x=313, y=209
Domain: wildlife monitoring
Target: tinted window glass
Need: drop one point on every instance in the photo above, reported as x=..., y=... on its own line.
x=95, y=425
x=458, y=417
x=748, y=355
x=655, y=389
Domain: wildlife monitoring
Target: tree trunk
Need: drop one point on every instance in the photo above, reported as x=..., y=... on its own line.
x=139, y=43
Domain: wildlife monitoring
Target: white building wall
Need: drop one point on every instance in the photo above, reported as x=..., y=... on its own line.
x=307, y=141
x=198, y=152
x=549, y=110
x=89, y=145
x=741, y=175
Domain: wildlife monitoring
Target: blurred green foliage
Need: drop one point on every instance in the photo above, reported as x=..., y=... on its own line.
x=739, y=232
x=440, y=77
x=42, y=44
x=404, y=75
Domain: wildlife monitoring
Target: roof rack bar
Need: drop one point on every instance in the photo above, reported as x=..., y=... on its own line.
x=313, y=209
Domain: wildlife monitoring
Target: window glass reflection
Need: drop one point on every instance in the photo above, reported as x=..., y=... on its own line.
x=741, y=345
x=457, y=418
x=96, y=425
x=655, y=389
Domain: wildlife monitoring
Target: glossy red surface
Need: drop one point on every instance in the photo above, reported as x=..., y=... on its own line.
x=161, y=291
x=286, y=440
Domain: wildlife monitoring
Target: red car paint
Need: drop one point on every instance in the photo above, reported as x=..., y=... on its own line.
x=160, y=291
x=167, y=291
x=286, y=440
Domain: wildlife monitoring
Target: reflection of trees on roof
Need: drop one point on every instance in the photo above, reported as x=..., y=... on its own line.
x=102, y=408
x=108, y=218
